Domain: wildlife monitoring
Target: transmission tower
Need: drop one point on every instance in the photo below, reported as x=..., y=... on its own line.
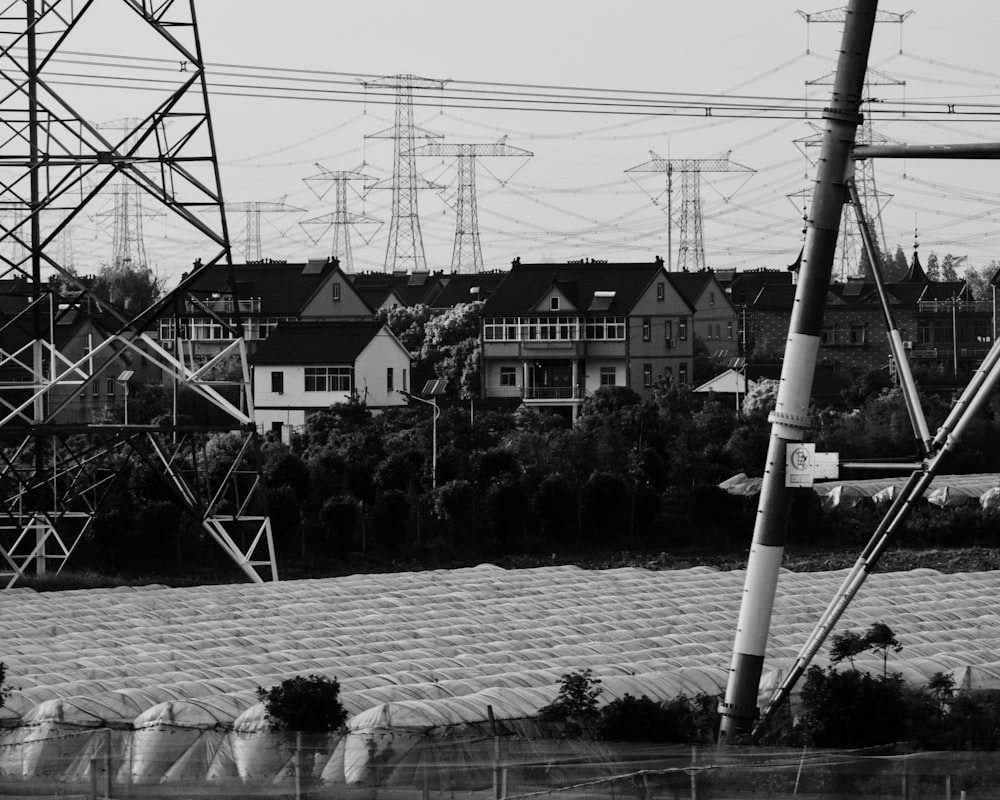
x=253, y=209
x=341, y=220
x=56, y=475
x=467, y=254
x=405, y=250
x=851, y=253
x=691, y=244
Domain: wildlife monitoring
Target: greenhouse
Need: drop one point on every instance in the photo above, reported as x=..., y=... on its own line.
x=161, y=682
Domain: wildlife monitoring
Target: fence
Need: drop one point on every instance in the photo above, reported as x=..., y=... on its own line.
x=112, y=763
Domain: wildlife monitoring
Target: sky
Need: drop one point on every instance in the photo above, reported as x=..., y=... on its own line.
x=303, y=108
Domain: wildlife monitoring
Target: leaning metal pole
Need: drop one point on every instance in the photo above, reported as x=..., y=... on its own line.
x=790, y=419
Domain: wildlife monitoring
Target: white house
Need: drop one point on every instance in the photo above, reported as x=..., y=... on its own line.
x=307, y=366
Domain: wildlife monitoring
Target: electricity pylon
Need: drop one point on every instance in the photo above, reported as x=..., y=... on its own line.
x=341, y=220
x=691, y=244
x=56, y=472
x=254, y=208
x=850, y=248
x=467, y=253
x=405, y=249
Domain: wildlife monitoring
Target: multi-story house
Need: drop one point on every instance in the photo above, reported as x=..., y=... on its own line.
x=716, y=322
x=307, y=366
x=941, y=326
x=387, y=290
x=199, y=320
x=553, y=333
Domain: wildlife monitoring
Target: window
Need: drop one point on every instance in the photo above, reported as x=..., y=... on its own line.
x=601, y=328
x=729, y=330
x=328, y=379
x=335, y=288
x=646, y=328
x=278, y=382
x=388, y=379
x=711, y=298
x=110, y=388
x=708, y=329
x=97, y=387
x=276, y=428
x=508, y=376
x=607, y=376
x=405, y=387
x=553, y=303
x=682, y=331
x=668, y=333
x=661, y=291
x=682, y=374
x=647, y=375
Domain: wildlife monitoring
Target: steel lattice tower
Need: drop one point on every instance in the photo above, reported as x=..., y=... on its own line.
x=405, y=249
x=691, y=244
x=467, y=253
x=56, y=472
x=341, y=220
x=253, y=209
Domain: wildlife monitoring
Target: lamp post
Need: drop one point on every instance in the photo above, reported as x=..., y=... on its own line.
x=123, y=379
x=432, y=388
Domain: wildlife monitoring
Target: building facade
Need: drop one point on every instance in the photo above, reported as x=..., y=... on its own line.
x=554, y=333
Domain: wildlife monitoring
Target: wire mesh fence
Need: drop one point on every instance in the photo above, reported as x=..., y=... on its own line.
x=209, y=763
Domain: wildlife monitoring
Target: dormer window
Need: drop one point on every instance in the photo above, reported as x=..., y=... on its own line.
x=336, y=291
x=553, y=304
x=661, y=291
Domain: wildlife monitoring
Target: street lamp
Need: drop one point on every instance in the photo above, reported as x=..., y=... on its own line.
x=433, y=389
x=123, y=379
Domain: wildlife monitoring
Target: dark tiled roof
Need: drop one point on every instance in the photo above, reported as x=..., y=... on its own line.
x=526, y=284
x=690, y=285
x=334, y=342
x=458, y=288
x=411, y=288
x=283, y=288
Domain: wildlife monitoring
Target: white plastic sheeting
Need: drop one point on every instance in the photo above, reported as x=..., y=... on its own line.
x=173, y=672
x=946, y=491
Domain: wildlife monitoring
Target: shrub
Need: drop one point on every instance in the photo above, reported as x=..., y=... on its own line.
x=305, y=703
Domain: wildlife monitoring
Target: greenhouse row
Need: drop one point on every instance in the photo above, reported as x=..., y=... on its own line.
x=166, y=679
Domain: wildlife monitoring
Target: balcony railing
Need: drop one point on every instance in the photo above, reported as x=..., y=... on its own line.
x=224, y=306
x=552, y=393
x=963, y=306
x=947, y=353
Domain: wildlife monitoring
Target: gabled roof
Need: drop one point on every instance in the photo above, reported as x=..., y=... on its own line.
x=283, y=288
x=692, y=285
x=412, y=288
x=745, y=286
x=327, y=342
x=526, y=285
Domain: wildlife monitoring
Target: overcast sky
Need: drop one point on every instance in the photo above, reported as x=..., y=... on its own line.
x=573, y=198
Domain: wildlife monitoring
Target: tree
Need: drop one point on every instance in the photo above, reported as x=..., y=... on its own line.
x=576, y=704
x=933, y=267
x=949, y=267
x=846, y=645
x=305, y=703
x=978, y=279
x=128, y=286
x=879, y=638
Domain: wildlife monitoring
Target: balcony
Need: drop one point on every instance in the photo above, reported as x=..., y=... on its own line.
x=552, y=393
x=962, y=306
x=223, y=306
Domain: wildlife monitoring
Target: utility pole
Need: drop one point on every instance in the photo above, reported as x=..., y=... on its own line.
x=790, y=419
x=691, y=244
x=467, y=254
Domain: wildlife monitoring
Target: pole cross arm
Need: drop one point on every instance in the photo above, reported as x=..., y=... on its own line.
x=977, y=150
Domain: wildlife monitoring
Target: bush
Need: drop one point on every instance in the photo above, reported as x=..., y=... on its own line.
x=678, y=721
x=305, y=703
x=575, y=707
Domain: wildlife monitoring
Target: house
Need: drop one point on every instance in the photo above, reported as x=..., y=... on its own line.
x=554, y=333
x=715, y=321
x=268, y=293
x=941, y=326
x=307, y=366
x=91, y=388
x=731, y=385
